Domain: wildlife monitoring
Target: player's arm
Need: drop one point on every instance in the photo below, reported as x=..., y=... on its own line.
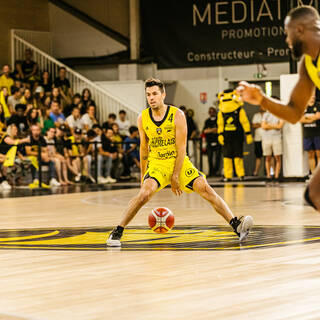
x=144, y=149
x=181, y=145
x=292, y=111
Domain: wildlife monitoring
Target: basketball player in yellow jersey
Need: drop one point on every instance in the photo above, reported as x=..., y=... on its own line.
x=163, y=134
x=302, y=26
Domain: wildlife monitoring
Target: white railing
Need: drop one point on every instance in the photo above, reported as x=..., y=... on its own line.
x=40, y=39
x=106, y=103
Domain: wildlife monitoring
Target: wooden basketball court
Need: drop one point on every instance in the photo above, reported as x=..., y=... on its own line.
x=54, y=264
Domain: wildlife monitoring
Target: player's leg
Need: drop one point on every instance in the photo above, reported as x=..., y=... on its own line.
x=312, y=193
x=241, y=226
x=268, y=166
x=148, y=189
x=278, y=166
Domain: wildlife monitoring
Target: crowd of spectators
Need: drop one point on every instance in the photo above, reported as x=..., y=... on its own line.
x=40, y=110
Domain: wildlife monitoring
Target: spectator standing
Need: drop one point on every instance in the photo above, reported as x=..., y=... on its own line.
x=311, y=132
x=210, y=130
x=6, y=80
x=123, y=123
x=272, y=142
x=256, y=124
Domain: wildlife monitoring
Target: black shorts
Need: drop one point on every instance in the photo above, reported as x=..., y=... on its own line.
x=233, y=148
x=258, y=149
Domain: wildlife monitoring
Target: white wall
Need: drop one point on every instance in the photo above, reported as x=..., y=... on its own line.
x=74, y=38
x=294, y=159
x=131, y=92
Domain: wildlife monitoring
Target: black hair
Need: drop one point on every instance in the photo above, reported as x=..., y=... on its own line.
x=91, y=134
x=96, y=125
x=154, y=82
x=112, y=115
x=14, y=89
x=122, y=112
x=302, y=12
x=133, y=129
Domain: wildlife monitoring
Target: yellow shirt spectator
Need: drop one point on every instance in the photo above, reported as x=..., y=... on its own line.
x=5, y=79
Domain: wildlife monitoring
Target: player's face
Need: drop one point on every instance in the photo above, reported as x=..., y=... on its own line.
x=292, y=39
x=155, y=97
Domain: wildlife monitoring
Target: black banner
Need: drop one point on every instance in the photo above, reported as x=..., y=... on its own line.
x=195, y=33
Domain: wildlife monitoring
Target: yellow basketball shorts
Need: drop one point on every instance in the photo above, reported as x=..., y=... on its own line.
x=162, y=170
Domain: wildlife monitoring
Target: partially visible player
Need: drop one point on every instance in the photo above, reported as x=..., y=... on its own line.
x=163, y=135
x=302, y=26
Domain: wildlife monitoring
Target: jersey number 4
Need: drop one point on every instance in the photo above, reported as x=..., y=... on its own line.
x=171, y=117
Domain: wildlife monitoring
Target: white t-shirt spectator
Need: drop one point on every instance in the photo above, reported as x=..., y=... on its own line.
x=13, y=102
x=74, y=123
x=272, y=134
x=257, y=118
x=123, y=127
x=86, y=120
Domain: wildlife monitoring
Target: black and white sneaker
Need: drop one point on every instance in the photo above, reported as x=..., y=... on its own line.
x=114, y=237
x=242, y=226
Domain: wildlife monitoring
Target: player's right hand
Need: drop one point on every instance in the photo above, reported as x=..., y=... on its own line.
x=175, y=186
x=250, y=93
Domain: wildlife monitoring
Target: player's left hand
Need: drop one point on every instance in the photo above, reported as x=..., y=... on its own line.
x=175, y=186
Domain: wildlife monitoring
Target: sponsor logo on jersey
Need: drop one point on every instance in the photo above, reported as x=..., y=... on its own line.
x=189, y=172
x=157, y=142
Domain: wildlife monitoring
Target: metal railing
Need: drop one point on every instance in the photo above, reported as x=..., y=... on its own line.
x=105, y=101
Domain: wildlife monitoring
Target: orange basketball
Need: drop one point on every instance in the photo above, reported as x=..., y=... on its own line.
x=161, y=220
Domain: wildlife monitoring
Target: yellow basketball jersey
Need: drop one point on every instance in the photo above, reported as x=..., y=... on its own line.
x=161, y=134
x=313, y=71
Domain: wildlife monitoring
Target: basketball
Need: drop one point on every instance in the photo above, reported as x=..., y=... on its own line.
x=161, y=220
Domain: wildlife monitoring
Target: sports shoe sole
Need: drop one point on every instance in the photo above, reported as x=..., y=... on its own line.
x=113, y=243
x=245, y=227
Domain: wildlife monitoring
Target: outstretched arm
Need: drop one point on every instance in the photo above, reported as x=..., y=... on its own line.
x=292, y=111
